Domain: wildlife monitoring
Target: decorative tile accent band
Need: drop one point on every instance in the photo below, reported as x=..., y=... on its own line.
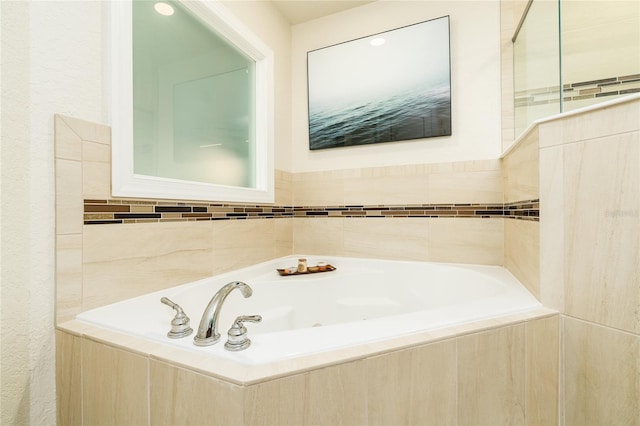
x=613, y=86
x=100, y=212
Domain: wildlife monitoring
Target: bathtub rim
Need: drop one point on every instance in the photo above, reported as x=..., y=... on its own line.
x=285, y=346
x=246, y=375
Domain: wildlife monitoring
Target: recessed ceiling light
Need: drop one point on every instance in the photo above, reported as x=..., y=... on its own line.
x=163, y=8
x=378, y=41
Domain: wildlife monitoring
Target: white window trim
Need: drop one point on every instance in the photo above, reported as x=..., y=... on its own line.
x=124, y=182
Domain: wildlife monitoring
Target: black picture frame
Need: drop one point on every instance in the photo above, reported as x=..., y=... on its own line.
x=386, y=87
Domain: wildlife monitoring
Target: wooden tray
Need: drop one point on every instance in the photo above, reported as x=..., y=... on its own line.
x=284, y=274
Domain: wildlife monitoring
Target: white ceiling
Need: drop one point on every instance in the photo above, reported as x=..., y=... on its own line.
x=298, y=11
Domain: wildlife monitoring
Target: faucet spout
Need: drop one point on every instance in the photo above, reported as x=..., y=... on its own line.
x=208, y=328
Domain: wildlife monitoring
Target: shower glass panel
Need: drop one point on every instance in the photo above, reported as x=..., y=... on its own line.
x=537, y=65
x=193, y=100
x=600, y=51
x=589, y=48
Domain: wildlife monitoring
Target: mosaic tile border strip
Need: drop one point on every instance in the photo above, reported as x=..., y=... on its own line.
x=101, y=212
x=613, y=86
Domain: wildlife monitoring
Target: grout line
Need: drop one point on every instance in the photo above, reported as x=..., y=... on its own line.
x=597, y=324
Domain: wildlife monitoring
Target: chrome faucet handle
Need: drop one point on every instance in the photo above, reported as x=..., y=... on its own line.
x=237, y=334
x=180, y=324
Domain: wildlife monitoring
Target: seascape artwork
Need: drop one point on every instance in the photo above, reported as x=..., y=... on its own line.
x=387, y=87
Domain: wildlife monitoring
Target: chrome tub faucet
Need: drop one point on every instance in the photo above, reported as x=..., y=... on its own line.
x=208, y=328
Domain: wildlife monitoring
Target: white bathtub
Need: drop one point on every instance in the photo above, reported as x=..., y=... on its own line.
x=362, y=301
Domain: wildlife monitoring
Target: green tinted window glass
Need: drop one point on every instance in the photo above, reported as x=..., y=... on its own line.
x=193, y=100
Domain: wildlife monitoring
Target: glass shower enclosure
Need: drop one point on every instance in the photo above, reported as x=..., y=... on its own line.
x=573, y=53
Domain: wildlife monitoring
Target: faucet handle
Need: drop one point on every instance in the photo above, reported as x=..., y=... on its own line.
x=180, y=325
x=237, y=334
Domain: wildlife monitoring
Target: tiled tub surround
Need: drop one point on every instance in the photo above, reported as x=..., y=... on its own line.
x=600, y=346
x=95, y=265
x=520, y=165
x=440, y=377
x=590, y=249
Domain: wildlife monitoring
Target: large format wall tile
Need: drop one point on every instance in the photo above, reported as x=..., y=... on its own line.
x=277, y=402
x=460, y=182
x=96, y=170
x=240, y=243
x=68, y=276
x=319, y=188
x=88, y=131
x=183, y=397
x=336, y=395
x=386, y=187
x=283, y=188
x=465, y=240
x=401, y=238
x=68, y=378
x=69, y=207
x=522, y=252
x=151, y=256
x=68, y=143
x=318, y=236
x=283, y=229
x=542, y=371
x=114, y=386
x=457, y=240
x=602, y=230
x=413, y=387
x=552, y=228
x=491, y=377
x=601, y=375
x=465, y=187
x=520, y=170
x=616, y=119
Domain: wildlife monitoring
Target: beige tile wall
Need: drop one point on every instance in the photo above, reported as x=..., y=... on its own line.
x=590, y=249
x=100, y=264
x=542, y=380
x=418, y=400
x=520, y=170
x=68, y=378
x=114, y=385
x=458, y=240
x=522, y=252
x=459, y=182
x=182, y=397
x=500, y=352
x=601, y=375
x=464, y=240
x=503, y=374
x=593, y=248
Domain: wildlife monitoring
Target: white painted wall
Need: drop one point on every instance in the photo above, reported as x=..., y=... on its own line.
x=51, y=62
x=266, y=22
x=475, y=83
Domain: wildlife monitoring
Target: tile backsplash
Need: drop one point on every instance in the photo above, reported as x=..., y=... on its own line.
x=113, y=211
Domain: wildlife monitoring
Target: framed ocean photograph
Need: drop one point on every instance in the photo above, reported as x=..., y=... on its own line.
x=387, y=87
